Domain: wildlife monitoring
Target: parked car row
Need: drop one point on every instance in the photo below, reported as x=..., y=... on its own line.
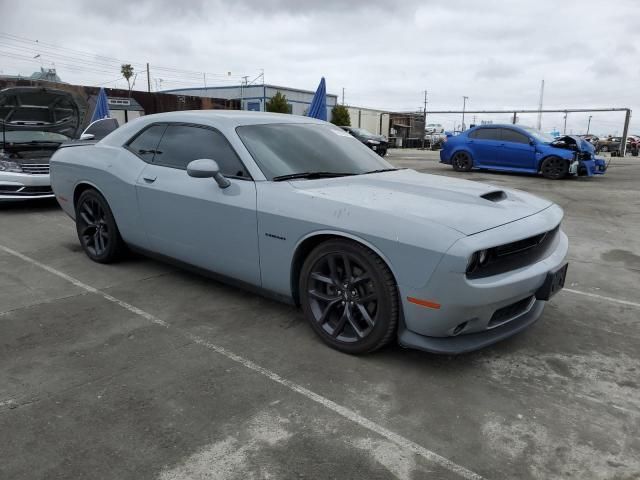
x=612, y=144
x=516, y=148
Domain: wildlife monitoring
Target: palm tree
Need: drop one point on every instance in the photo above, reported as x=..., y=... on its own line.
x=127, y=72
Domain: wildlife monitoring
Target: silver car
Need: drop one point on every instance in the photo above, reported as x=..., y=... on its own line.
x=34, y=122
x=299, y=209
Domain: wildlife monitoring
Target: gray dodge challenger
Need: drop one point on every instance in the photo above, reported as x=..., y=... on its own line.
x=300, y=210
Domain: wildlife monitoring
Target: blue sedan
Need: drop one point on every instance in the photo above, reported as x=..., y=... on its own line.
x=514, y=148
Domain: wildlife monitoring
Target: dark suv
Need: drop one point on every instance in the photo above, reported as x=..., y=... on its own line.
x=377, y=143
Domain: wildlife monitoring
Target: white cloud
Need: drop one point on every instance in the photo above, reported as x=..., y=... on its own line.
x=383, y=53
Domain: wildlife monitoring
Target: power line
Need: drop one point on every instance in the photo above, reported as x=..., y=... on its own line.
x=98, y=61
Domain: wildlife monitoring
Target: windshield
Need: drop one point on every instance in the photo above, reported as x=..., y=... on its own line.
x=290, y=148
x=28, y=136
x=538, y=135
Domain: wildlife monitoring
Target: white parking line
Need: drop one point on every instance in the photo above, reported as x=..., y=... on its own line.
x=343, y=411
x=602, y=297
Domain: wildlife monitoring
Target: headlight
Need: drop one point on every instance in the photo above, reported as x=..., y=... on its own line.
x=478, y=259
x=8, y=166
x=373, y=142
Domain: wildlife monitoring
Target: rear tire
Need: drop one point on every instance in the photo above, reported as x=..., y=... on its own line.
x=554, y=168
x=97, y=229
x=349, y=296
x=462, y=162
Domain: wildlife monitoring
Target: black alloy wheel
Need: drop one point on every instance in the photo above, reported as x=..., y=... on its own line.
x=554, y=168
x=349, y=296
x=96, y=227
x=462, y=162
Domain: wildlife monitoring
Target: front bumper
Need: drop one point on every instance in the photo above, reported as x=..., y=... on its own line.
x=15, y=187
x=595, y=166
x=474, y=313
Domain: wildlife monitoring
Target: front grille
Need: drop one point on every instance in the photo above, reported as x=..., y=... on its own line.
x=510, y=312
x=35, y=168
x=514, y=255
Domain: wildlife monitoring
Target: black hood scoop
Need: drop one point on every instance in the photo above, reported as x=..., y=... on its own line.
x=494, y=196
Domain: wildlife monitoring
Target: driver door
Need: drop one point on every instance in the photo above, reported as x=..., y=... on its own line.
x=192, y=219
x=517, y=151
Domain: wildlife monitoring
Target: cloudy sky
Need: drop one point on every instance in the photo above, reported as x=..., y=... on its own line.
x=383, y=53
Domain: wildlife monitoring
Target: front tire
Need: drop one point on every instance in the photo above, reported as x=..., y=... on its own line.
x=462, y=162
x=349, y=297
x=97, y=229
x=554, y=168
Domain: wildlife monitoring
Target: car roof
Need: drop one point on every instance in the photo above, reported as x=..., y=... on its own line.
x=499, y=125
x=223, y=120
x=232, y=118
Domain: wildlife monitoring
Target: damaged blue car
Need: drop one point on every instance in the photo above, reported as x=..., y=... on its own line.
x=514, y=148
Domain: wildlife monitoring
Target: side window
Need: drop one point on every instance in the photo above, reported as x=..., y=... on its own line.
x=509, y=135
x=145, y=144
x=182, y=144
x=485, y=134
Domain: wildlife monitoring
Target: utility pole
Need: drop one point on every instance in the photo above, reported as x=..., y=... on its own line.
x=589, y=124
x=464, y=105
x=343, y=96
x=539, y=125
x=148, y=79
x=424, y=118
x=242, y=84
x=564, y=130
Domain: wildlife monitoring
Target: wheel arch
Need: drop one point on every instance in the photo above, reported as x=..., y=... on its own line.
x=306, y=245
x=81, y=187
x=464, y=149
x=551, y=154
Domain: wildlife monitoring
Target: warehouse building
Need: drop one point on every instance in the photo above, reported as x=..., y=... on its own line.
x=255, y=97
x=375, y=121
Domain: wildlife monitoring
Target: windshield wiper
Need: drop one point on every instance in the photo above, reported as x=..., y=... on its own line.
x=383, y=170
x=311, y=175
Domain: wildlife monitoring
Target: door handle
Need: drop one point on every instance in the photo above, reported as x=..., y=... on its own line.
x=149, y=178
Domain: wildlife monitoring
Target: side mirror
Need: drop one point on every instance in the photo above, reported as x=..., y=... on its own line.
x=205, y=168
x=87, y=136
x=532, y=142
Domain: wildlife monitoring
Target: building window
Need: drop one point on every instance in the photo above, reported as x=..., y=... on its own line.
x=253, y=106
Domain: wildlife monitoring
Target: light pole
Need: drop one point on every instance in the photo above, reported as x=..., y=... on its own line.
x=424, y=119
x=464, y=105
x=589, y=124
x=564, y=129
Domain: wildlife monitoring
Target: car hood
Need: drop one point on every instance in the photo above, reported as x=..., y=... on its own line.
x=42, y=109
x=466, y=206
x=573, y=142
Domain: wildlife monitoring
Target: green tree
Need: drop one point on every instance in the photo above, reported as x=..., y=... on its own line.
x=340, y=116
x=278, y=104
x=126, y=69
